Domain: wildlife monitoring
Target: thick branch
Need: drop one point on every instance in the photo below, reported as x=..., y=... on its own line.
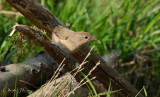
x=43, y=19
x=40, y=39
x=61, y=87
x=36, y=36
x=37, y=14
x=26, y=75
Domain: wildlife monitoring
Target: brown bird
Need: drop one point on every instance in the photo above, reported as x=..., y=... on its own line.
x=68, y=40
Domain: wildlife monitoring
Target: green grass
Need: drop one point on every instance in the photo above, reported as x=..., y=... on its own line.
x=124, y=25
x=92, y=88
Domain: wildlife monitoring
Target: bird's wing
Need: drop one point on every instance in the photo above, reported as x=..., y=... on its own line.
x=63, y=33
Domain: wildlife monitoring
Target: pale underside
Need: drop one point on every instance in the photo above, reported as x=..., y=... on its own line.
x=66, y=40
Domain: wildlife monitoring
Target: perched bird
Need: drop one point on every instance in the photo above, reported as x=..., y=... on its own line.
x=68, y=40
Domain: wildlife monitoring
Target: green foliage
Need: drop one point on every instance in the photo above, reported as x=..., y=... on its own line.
x=90, y=85
x=143, y=89
x=125, y=25
x=119, y=24
x=107, y=94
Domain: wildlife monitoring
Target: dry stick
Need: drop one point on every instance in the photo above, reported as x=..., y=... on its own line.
x=33, y=34
x=128, y=63
x=87, y=81
x=48, y=46
x=62, y=61
x=10, y=13
x=88, y=53
x=54, y=89
x=28, y=84
x=84, y=78
x=64, y=89
x=56, y=73
x=62, y=84
x=58, y=70
x=150, y=51
x=52, y=79
x=84, y=61
x=79, y=85
x=12, y=32
x=77, y=67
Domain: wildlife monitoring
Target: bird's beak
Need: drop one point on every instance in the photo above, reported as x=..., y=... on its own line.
x=93, y=38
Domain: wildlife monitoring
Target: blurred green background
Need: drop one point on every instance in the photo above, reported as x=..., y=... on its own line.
x=131, y=27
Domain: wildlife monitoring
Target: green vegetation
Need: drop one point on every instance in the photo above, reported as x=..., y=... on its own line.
x=129, y=26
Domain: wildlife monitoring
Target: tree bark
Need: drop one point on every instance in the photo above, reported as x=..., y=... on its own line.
x=26, y=75
x=34, y=35
x=60, y=88
x=43, y=19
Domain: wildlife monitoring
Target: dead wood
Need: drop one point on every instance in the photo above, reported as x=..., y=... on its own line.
x=43, y=19
x=26, y=75
x=36, y=36
x=60, y=87
x=40, y=39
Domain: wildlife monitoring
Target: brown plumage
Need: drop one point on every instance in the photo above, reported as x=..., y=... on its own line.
x=70, y=41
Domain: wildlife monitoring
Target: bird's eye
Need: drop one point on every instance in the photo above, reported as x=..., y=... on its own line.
x=86, y=37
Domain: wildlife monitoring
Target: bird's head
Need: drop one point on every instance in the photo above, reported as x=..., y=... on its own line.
x=84, y=37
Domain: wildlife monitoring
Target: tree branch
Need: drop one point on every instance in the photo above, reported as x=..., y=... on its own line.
x=26, y=75
x=43, y=19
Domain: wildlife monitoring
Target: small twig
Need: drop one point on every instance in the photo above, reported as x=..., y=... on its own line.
x=78, y=86
x=150, y=51
x=80, y=83
x=45, y=43
x=14, y=29
x=10, y=13
x=28, y=84
x=56, y=73
x=57, y=86
x=128, y=63
x=77, y=67
x=84, y=61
